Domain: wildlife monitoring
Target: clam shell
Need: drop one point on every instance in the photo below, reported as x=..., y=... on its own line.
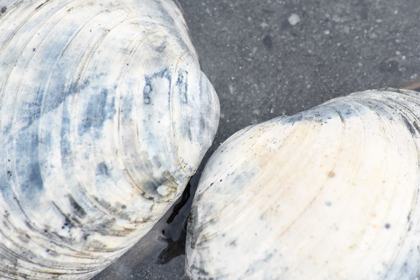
x=329, y=193
x=104, y=116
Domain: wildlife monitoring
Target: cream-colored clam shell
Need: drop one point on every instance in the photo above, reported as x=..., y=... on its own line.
x=104, y=116
x=329, y=193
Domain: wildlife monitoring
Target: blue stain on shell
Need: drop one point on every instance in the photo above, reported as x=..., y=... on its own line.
x=27, y=163
x=6, y=128
x=162, y=47
x=146, y=93
x=181, y=89
x=30, y=110
x=65, y=146
x=34, y=180
x=102, y=169
x=99, y=109
x=182, y=85
x=151, y=82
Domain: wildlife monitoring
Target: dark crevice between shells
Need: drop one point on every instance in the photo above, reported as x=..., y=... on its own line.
x=174, y=248
x=183, y=201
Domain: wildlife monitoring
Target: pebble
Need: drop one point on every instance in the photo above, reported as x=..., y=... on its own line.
x=293, y=19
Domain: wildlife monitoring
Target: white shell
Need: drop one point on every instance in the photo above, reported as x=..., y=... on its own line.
x=329, y=193
x=104, y=116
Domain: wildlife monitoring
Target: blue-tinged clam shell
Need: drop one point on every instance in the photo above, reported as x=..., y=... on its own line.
x=104, y=116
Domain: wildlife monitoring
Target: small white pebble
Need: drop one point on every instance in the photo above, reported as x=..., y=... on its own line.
x=293, y=19
x=264, y=24
x=326, y=32
x=398, y=53
x=231, y=89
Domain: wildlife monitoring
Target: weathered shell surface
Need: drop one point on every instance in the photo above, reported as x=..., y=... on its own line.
x=329, y=193
x=104, y=116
